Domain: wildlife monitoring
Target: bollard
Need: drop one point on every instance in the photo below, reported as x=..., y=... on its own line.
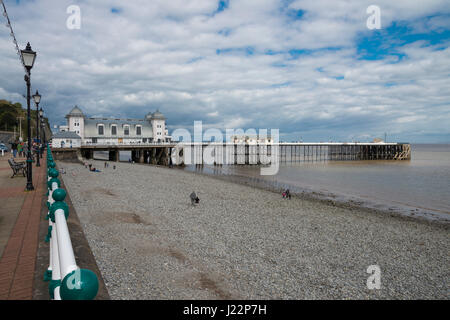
x=80, y=284
x=58, y=195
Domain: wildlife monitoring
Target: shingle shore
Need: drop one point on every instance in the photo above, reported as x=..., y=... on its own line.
x=245, y=243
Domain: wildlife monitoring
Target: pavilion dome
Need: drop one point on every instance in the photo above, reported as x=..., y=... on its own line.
x=148, y=116
x=158, y=116
x=75, y=112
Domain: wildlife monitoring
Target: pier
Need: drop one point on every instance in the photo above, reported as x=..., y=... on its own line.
x=303, y=152
x=288, y=152
x=242, y=153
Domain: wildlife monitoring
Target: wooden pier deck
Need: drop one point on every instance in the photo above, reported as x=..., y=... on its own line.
x=247, y=153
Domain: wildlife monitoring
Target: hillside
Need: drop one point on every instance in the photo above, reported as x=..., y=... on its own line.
x=13, y=117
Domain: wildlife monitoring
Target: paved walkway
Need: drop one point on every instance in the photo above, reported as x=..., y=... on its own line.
x=19, y=228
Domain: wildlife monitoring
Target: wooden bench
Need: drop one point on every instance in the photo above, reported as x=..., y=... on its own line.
x=17, y=167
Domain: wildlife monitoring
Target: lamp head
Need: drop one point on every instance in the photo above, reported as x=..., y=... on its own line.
x=28, y=57
x=37, y=97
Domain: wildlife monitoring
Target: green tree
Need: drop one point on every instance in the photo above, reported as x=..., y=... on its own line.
x=9, y=117
x=7, y=121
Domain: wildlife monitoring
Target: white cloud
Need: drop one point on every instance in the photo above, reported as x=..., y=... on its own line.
x=163, y=54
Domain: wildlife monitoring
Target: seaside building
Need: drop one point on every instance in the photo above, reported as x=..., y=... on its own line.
x=63, y=128
x=66, y=139
x=115, y=131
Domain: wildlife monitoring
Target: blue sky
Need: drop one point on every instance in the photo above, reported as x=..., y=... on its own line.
x=312, y=69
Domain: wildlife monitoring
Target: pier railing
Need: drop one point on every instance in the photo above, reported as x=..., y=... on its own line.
x=125, y=143
x=67, y=280
x=288, y=152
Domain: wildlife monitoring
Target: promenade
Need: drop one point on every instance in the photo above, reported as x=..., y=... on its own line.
x=24, y=256
x=19, y=228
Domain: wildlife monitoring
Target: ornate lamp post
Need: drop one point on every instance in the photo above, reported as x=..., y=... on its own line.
x=28, y=58
x=45, y=136
x=41, y=123
x=37, y=99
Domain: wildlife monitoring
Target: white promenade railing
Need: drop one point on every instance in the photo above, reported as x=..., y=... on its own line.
x=67, y=280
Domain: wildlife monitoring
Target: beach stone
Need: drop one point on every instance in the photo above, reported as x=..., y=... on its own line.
x=242, y=242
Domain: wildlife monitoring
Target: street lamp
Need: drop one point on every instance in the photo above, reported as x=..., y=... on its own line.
x=37, y=99
x=43, y=130
x=28, y=58
x=41, y=123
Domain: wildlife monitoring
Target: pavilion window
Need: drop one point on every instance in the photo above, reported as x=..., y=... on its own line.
x=100, y=130
x=138, y=130
x=114, y=130
x=126, y=130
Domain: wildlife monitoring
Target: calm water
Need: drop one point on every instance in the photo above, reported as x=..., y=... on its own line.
x=421, y=185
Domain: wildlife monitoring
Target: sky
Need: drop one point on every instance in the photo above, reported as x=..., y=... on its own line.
x=312, y=69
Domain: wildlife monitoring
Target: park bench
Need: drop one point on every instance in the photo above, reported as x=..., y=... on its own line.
x=17, y=167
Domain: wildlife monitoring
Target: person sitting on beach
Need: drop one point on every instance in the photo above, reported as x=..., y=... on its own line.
x=288, y=194
x=194, y=198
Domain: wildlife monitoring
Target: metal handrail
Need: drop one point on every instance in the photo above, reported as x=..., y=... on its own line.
x=67, y=280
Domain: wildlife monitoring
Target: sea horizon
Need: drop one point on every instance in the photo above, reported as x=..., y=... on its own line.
x=415, y=187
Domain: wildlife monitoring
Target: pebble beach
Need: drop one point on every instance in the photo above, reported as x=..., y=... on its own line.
x=242, y=242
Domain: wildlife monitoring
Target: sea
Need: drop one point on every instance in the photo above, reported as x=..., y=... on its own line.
x=420, y=186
